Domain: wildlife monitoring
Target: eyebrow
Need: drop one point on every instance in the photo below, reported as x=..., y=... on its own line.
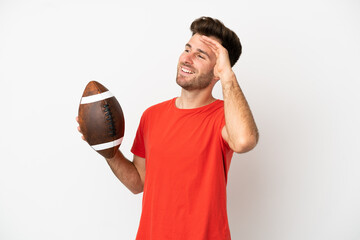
x=199, y=50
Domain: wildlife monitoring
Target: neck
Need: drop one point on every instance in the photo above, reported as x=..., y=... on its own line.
x=193, y=99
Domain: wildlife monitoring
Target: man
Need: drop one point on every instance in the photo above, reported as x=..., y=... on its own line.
x=183, y=146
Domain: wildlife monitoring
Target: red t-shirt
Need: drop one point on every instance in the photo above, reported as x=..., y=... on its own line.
x=187, y=163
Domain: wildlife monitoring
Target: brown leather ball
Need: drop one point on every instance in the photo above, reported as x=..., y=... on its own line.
x=101, y=119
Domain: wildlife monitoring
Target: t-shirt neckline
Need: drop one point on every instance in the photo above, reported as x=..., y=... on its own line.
x=173, y=104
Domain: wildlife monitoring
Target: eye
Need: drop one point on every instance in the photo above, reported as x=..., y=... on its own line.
x=201, y=56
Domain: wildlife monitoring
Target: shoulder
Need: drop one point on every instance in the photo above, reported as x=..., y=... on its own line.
x=159, y=107
x=219, y=103
x=217, y=107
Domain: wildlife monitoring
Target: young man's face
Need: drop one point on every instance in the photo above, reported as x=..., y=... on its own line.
x=196, y=65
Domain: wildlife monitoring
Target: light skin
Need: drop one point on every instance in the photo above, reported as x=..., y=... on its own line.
x=240, y=130
x=203, y=63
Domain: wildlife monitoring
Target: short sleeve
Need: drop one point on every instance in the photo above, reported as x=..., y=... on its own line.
x=138, y=147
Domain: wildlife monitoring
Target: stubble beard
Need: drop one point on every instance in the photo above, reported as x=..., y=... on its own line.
x=196, y=82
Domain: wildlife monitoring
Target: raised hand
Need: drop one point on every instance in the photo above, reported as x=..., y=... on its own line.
x=222, y=67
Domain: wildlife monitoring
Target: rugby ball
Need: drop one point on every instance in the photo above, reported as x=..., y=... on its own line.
x=101, y=119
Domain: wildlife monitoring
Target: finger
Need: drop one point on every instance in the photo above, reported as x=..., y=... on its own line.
x=79, y=129
x=215, y=44
x=207, y=39
x=211, y=46
x=82, y=136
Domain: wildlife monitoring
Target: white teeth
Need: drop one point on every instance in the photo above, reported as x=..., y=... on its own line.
x=185, y=70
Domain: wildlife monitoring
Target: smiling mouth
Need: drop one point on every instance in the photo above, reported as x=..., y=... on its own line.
x=186, y=70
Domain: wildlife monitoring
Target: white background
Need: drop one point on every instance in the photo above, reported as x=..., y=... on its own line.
x=299, y=71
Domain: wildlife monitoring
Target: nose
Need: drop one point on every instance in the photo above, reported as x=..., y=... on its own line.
x=187, y=58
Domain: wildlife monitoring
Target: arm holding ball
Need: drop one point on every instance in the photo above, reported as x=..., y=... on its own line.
x=101, y=123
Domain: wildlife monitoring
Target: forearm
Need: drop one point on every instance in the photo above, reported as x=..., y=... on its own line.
x=240, y=126
x=126, y=172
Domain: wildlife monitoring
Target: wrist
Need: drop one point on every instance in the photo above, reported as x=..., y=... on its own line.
x=227, y=76
x=112, y=159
